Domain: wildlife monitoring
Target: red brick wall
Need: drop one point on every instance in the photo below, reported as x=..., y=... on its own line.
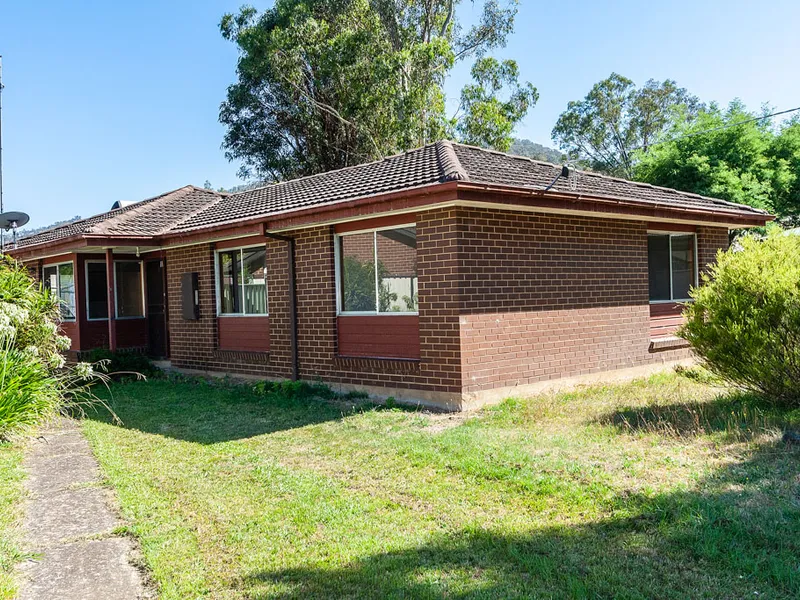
x=552, y=296
x=194, y=343
x=505, y=298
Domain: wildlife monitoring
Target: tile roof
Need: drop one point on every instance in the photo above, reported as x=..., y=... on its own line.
x=149, y=217
x=191, y=208
x=437, y=163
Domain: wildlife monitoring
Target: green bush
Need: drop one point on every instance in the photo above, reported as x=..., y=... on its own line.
x=744, y=322
x=34, y=380
x=125, y=363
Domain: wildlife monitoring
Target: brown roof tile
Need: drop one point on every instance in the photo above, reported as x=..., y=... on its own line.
x=191, y=208
x=149, y=217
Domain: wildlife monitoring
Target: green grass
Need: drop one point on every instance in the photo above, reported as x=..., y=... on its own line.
x=661, y=488
x=10, y=512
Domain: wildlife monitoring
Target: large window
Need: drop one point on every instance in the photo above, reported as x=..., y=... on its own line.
x=242, y=281
x=377, y=271
x=672, y=266
x=60, y=280
x=128, y=290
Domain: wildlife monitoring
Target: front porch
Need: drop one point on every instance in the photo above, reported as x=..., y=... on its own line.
x=112, y=300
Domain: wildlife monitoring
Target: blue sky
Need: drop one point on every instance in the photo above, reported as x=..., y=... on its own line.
x=110, y=101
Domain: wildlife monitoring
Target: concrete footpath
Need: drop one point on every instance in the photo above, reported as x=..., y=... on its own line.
x=69, y=525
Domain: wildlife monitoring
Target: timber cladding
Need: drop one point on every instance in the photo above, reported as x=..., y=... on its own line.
x=505, y=298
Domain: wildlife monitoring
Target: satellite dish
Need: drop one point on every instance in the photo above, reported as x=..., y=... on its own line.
x=12, y=220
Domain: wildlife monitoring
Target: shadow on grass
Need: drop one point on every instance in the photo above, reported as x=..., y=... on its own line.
x=737, y=415
x=736, y=535
x=212, y=412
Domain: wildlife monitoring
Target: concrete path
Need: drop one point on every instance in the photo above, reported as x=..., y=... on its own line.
x=69, y=525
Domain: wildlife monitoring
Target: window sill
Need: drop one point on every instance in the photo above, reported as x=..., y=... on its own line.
x=670, y=342
x=239, y=315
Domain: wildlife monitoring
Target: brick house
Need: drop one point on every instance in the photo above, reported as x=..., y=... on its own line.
x=448, y=275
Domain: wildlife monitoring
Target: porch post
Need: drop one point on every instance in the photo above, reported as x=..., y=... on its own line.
x=112, y=325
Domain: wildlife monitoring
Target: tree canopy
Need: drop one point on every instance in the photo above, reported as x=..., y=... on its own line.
x=324, y=84
x=735, y=158
x=616, y=118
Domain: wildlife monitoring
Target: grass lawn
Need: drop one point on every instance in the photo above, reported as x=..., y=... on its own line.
x=10, y=512
x=661, y=488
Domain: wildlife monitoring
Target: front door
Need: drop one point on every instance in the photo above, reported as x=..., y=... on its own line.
x=156, y=309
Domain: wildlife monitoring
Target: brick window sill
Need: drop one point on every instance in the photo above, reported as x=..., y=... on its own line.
x=670, y=342
x=248, y=356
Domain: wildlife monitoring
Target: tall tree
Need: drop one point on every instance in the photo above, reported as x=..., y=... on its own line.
x=784, y=152
x=616, y=118
x=489, y=121
x=726, y=154
x=324, y=84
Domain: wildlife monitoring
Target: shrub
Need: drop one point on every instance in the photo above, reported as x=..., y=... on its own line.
x=34, y=381
x=744, y=322
x=124, y=363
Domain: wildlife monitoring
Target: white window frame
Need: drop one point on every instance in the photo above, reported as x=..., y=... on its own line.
x=338, y=274
x=58, y=291
x=116, y=311
x=218, y=282
x=141, y=286
x=670, y=235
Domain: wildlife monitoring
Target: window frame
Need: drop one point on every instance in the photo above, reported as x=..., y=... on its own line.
x=670, y=235
x=116, y=311
x=218, y=281
x=141, y=286
x=338, y=273
x=58, y=291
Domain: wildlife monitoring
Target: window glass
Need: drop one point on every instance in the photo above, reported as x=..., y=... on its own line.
x=97, y=290
x=66, y=290
x=658, y=266
x=243, y=281
x=230, y=285
x=128, y=281
x=682, y=266
x=357, y=271
x=397, y=269
x=254, y=280
x=60, y=281
x=50, y=279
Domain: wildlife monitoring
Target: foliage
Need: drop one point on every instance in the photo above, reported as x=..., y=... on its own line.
x=522, y=147
x=745, y=319
x=747, y=164
x=488, y=121
x=124, y=363
x=784, y=152
x=615, y=118
x=324, y=84
x=34, y=381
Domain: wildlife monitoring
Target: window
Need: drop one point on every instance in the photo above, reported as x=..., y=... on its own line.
x=60, y=280
x=96, y=290
x=672, y=266
x=242, y=281
x=129, y=290
x=378, y=271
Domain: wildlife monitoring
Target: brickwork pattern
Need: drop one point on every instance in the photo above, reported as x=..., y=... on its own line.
x=505, y=298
